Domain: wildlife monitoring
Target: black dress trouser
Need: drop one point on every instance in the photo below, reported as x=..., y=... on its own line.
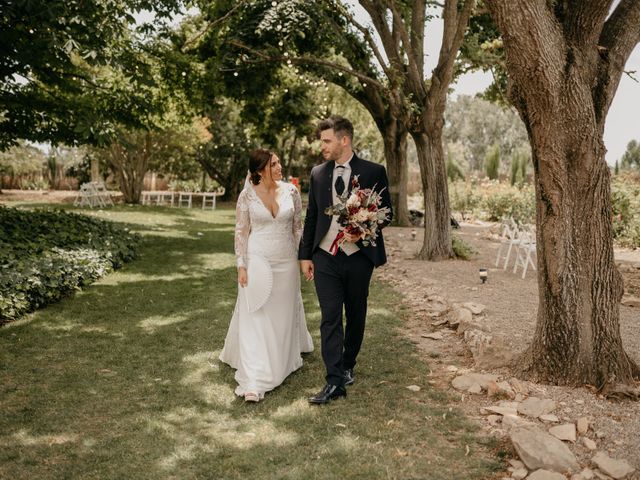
x=341, y=281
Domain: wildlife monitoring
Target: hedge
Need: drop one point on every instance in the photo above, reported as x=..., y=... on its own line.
x=46, y=255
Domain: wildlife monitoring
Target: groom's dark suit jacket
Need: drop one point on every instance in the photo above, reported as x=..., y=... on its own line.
x=316, y=224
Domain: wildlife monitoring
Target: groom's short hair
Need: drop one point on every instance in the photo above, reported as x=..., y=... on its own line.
x=340, y=125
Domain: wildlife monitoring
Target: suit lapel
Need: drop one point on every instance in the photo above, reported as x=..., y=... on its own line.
x=326, y=193
x=355, y=170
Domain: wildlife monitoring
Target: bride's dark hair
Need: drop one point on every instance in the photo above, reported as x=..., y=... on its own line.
x=258, y=160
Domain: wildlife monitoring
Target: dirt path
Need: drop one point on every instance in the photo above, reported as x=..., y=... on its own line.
x=511, y=304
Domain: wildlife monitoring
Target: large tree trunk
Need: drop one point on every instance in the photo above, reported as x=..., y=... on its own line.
x=394, y=136
x=437, y=229
x=577, y=339
x=564, y=65
x=95, y=169
x=130, y=167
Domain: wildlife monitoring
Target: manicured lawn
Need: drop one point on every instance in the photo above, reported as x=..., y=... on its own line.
x=122, y=381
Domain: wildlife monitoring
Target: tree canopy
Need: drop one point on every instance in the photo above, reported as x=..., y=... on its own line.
x=71, y=69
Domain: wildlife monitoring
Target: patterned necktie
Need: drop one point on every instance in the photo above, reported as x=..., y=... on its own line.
x=339, y=184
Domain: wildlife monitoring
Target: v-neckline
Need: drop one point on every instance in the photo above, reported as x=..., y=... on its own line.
x=273, y=217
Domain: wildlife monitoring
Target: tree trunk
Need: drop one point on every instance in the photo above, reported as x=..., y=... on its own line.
x=437, y=228
x=577, y=339
x=564, y=65
x=394, y=136
x=95, y=169
x=130, y=167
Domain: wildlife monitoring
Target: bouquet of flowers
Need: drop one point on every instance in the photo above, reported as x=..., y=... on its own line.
x=360, y=213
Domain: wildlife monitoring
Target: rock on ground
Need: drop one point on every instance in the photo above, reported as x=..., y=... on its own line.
x=546, y=475
x=534, y=407
x=614, y=468
x=538, y=449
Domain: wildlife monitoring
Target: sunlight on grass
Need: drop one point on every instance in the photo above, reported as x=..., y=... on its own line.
x=102, y=330
x=157, y=232
x=63, y=326
x=157, y=404
x=151, y=324
x=24, y=438
x=297, y=409
x=347, y=443
x=199, y=433
x=217, y=261
x=200, y=366
x=123, y=278
x=380, y=311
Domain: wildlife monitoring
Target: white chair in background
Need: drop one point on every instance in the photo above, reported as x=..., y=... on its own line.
x=185, y=199
x=93, y=194
x=209, y=198
x=526, y=251
x=509, y=237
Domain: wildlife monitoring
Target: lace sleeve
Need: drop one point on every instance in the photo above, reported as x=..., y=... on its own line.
x=243, y=227
x=297, y=216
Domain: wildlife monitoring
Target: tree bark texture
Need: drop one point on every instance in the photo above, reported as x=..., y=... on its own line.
x=564, y=64
x=437, y=213
x=394, y=137
x=421, y=104
x=130, y=166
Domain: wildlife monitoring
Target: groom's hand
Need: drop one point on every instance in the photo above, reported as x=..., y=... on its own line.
x=352, y=238
x=307, y=269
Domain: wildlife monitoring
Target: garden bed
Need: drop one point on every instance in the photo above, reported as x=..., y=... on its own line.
x=46, y=255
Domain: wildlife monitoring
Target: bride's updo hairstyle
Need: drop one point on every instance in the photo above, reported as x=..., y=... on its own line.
x=258, y=160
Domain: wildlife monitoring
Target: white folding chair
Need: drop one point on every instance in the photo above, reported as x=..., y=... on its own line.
x=525, y=252
x=210, y=197
x=509, y=237
x=185, y=199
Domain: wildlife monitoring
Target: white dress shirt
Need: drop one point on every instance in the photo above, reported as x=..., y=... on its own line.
x=347, y=247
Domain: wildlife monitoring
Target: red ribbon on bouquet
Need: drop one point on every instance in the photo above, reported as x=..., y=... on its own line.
x=333, y=250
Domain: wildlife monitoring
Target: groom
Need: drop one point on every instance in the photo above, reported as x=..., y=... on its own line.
x=341, y=280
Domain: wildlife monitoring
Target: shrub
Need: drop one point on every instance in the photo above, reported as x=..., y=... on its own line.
x=625, y=203
x=46, y=255
x=492, y=162
x=502, y=201
x=494, y=201
x=464, y=198
x=461, y=249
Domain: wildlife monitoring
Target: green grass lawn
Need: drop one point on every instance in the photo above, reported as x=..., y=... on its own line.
x=122, y=381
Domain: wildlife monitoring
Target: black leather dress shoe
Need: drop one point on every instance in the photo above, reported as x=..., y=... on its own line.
x=349, y=376
x=328, y=393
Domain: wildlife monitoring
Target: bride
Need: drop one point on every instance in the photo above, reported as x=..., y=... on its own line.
x=268, y=330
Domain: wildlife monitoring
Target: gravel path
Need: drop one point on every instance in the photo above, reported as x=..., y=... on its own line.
x=511, y=305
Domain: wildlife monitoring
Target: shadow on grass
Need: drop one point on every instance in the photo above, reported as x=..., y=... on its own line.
x=123, y=381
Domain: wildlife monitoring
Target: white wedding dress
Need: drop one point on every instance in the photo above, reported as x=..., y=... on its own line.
x=266, y=336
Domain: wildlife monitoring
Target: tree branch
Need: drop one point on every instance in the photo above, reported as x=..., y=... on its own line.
x=368, y=38
x=583, y=20
x=309, y=60
x=399, y=26
x=532, y=30
x=389, y=43
x=210, y=24
x=455, y=24
x=417, y=32
x=619, y=37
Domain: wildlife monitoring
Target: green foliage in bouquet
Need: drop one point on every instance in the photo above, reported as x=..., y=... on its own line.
x=46, y=255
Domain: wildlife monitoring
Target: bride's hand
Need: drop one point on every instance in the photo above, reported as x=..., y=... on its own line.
x=307, y=269
x=242, y=277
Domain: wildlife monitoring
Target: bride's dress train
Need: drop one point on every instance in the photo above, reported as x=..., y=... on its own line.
x=266, y=336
